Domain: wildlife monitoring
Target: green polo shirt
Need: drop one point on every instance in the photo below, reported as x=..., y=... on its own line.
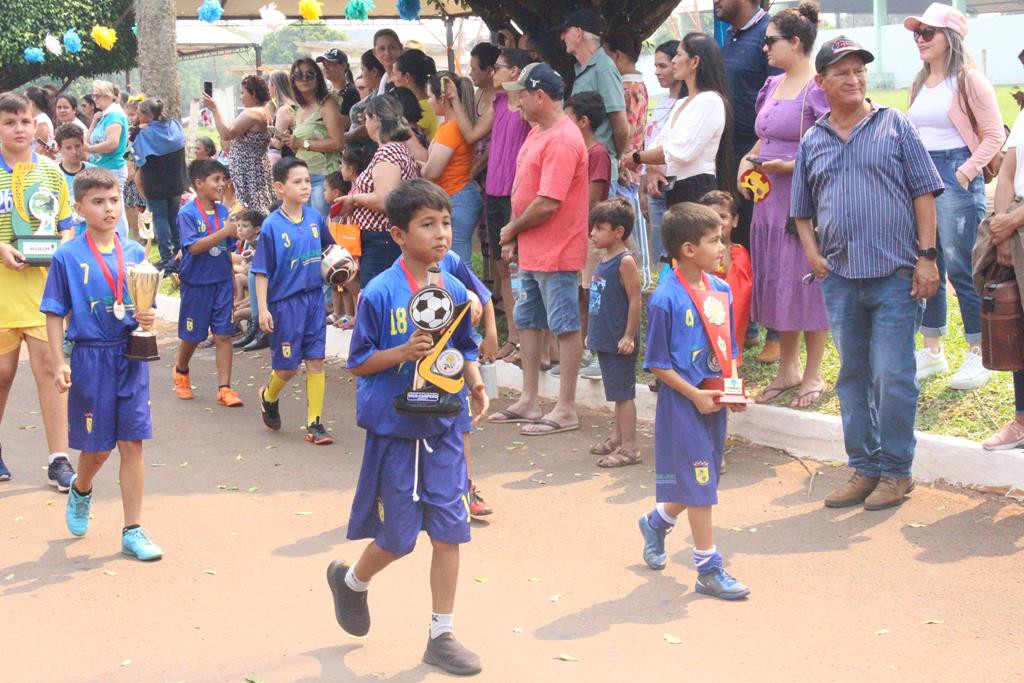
x=601, y=75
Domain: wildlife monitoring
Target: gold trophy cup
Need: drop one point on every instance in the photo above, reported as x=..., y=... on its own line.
x=143, y=283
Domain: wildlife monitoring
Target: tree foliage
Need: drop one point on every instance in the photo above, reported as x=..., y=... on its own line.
x=27, y=24
x=280, y=47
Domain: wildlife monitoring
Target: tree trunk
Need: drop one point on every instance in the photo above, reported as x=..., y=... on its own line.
x=158, y=53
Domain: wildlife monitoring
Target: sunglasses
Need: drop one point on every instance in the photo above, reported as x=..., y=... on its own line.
x=771, y=40
x=925, y=34
x=300, y=75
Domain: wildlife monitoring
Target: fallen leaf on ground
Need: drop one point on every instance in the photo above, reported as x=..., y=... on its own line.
x=533, y=579
x=158, y=464
x=184, y=464
x=211, y=572
x=269, y=446
x=126, y=662
x=517, y=631
x=933, y=621
x=736, y=528
x=110, y=572
x=752, y=530
x=18, y=519
x=916, y=525
x=672, y=640
x=253, y=679
x=881, y=631
x=253, y=489
x=304, y=513
x=49, y=503
x=8, y=577
x=239, y=457
x=480, y=579
x=556, y=597
x=567, y=658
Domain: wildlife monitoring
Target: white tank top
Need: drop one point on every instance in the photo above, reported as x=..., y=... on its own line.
x=930, y=115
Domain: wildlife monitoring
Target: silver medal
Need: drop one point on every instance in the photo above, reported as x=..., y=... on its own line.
x=119, y=310
x=214, y=251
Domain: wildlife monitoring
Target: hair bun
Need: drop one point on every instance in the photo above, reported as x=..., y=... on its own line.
x=809, y=9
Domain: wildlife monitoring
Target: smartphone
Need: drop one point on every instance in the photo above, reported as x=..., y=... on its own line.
x=757, y=161
x=208, y=88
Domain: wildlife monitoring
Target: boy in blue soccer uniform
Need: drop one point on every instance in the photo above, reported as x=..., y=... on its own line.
x=689, y=426
x=289, y=290
x=413, y=476
x=108, y=395
x=207, y=279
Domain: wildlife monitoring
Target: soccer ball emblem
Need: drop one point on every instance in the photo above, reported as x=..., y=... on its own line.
x=431, y=308
x=337, y=266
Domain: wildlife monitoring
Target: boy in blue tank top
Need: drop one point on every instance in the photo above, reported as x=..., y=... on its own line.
x=689, y=426
x=413, y=475
x=108, y=395
x=613, y=325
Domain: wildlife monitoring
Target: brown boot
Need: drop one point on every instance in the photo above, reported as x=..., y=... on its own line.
x=852, y=492
x=890, y=492
x=770, y=353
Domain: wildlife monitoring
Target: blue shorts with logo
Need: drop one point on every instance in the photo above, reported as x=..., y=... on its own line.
x=464, y=420
x=300, y=330
x=383, y=508
x=205, y=309
x=109, y=397
x=688, y=450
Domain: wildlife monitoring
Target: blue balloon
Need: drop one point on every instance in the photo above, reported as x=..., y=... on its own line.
x=72, y=41
x=210, y=11
x=34, y=55
x=409, y=9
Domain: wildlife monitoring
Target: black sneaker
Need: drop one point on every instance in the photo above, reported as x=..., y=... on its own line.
x=350, y=608
x=247, y=338
x=59, y=473
x=270, y=411
x=317, y=434
x=449, y=654
x=260, y=341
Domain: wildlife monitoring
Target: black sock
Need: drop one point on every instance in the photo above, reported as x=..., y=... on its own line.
x=180, y=371
x=86, y=493
x=129, y=528
x=224, y=386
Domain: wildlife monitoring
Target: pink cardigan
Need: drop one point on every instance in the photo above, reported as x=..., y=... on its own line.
x=982, y=98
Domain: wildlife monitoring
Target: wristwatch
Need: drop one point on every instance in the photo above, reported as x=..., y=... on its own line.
x=305, y=144
x=931, y=253
x=636, y=158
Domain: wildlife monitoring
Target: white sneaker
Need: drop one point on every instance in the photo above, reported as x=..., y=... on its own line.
x=591, y=370
x=971, y=375
x=930, y=364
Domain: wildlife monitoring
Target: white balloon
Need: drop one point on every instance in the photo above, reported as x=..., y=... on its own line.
x=272, y=17
x=53, y=45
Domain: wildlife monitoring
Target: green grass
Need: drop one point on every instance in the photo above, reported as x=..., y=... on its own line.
x=898, y=99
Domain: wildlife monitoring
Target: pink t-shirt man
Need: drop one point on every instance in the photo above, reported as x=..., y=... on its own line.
x=553, y=163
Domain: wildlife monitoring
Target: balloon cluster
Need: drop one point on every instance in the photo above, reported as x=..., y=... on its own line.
x=104, y=36
x=358, y=10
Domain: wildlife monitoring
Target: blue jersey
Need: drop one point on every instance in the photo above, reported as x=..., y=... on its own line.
x=289, y=253
x=676, y=338
x=76, y=285
x=453, y=264
x=382, y=322
x=77, y=221
x=208, y=268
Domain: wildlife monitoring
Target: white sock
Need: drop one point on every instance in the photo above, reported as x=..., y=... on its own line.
x=669, y=519
x=441, y=624
x=353, y=582
x=54, y=456
x=701, y=557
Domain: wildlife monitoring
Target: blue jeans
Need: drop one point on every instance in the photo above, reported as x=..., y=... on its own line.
x=317, y=200
x=466, y=209
x=874, y=322
x=959, y=213
x=379, y=254
x=165, y=225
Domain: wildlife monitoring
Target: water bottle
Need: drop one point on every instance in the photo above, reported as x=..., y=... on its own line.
x=489, y=374
x=518, y=293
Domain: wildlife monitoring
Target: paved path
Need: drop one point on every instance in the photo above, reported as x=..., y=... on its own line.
x=249, y=521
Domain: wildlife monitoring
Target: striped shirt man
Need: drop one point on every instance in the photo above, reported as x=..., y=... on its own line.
x=862, y=190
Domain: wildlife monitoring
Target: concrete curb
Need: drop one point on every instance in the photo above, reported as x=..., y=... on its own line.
x=804, y=434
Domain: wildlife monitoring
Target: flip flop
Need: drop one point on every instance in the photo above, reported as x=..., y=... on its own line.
x=775, y=392
x=795, y=403
x=511, y=346
x=507, y=416
x=555, y=427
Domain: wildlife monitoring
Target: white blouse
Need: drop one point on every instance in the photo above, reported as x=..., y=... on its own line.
x=930, y=115
x=691, y=135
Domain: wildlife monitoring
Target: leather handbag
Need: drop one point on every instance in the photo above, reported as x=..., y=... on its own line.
x=1002, y=321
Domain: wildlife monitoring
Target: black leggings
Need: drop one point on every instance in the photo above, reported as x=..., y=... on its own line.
x=1018, y=390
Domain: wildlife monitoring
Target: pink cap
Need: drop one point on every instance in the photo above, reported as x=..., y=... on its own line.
x=939, y=16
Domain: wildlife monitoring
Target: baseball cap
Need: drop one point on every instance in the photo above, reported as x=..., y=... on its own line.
x=838, y=48
x=588, y=20
x=537, y=76
x=939, y=16
x=334, y=55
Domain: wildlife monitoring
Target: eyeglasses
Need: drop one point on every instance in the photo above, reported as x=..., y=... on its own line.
x=771, y=40
x=925, y=34
x=501, y=66
x=301, y=75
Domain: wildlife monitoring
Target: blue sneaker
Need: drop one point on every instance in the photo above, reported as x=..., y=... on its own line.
x=60, y=473
x=654, y=544
x=5, y=473
x=77, y=511
x=136, y=543
x=720, y=584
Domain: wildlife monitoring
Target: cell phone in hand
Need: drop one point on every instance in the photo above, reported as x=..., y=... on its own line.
x=208, y=88
x=757, y=161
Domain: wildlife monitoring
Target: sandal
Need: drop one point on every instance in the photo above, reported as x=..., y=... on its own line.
x=506, y=416
x=769, y=394
x=816, y=393
x=606, y=447
x=552, y=427
x=620, y=457
x=506, y=349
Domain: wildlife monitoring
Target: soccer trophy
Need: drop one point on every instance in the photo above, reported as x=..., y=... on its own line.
x=37, y=246
x=143, y=283
x=713, y=307
x=438, y=377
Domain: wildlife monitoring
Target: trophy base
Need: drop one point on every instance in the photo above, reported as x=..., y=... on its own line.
x=427, y=402
x=142, y=347
x=38, y=250
x=734, y=391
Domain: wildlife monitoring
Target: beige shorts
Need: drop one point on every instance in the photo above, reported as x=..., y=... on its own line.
x=10, y=338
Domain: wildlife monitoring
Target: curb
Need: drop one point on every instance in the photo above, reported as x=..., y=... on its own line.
x=804, y=434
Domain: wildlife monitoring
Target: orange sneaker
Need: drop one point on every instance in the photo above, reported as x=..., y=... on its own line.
x=182, y=385
x=226, y=396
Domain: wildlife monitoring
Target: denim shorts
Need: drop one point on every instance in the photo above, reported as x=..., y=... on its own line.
x=551, y=302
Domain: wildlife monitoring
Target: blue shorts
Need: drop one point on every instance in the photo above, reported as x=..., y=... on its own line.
x=688, y=451
x=552, y=301
x=383, y=508
x=300, y=330
x=204, y=309
x=109, y=397
x=464, y=420
x=618, y=374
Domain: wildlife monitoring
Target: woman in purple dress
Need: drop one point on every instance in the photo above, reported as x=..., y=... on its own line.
x=787, y=106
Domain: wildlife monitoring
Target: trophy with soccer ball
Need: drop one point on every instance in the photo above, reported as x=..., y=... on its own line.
x=37, y=246
x=438, y=377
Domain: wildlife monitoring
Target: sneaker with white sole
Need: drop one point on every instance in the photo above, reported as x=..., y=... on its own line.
x=591, y=370
x=971, y=375
x=1010, y=436
x=930, y=364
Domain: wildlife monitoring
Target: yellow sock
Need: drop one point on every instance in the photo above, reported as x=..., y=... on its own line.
x=275, y=385
x=316, y=383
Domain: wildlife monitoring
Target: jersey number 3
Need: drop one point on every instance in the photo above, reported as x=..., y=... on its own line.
x=287, y=240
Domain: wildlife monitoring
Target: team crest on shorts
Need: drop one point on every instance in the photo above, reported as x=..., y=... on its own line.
x=286, y=350
x=701, y=472
x=188, y=324
x=88, y=423
x=380, y=510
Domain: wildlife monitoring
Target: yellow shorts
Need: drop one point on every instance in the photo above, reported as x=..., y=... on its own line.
x=10, y=339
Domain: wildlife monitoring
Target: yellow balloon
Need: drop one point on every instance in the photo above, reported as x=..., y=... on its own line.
x=310, y=10
x=104, y=36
